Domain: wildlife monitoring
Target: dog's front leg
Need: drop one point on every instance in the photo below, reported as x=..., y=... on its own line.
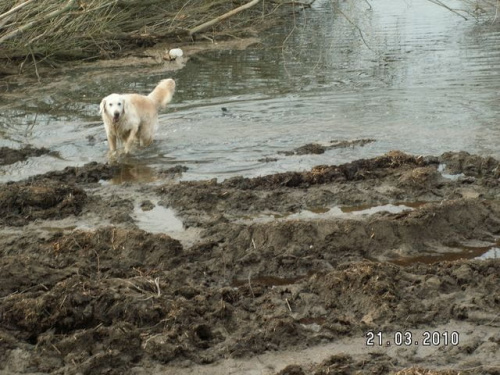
x=111, y=142
x=130, y=140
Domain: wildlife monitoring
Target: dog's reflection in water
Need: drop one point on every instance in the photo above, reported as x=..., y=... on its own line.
x=134, y=173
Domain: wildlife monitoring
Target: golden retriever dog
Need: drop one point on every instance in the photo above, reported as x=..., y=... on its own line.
x=131, y=117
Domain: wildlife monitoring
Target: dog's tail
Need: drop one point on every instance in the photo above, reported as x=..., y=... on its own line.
x=162, y=94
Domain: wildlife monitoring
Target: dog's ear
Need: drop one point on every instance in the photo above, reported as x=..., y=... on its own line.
x=101, y=106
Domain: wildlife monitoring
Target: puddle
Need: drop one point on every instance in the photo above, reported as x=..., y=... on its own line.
x=159, y=219
x=493, y=253
x=396, y=208
x=362, y=210
x=269, y=281
x=336, y=212
x=467, y=253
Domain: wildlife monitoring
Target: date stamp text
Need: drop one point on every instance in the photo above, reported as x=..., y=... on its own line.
x=408, y=338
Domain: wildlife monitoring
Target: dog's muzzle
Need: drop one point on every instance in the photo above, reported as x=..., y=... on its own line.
x=116, y=116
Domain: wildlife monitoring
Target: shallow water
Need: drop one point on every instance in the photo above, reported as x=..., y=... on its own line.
x=345, y=212
x=422, y=80
x=159, y=219
x=479, y=253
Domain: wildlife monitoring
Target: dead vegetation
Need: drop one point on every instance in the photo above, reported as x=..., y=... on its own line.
x=54, y=30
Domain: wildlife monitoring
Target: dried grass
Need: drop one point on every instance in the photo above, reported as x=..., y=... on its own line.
x=89, y=29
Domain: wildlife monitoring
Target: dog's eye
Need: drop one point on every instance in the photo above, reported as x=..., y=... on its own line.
x=119, y=104
x=110, y=104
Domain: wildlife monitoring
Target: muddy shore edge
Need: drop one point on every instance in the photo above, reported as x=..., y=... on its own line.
x=285, y=273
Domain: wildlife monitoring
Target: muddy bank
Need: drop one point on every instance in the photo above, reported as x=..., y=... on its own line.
x=11, y=156
x=294, y=269
x=315, y=148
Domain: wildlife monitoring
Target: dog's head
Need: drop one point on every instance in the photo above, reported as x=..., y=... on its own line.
x=113, y=106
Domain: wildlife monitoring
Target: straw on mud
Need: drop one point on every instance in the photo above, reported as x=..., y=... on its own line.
x=250, y=283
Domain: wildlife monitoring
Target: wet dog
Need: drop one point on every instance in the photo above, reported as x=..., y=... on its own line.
x=132, y=117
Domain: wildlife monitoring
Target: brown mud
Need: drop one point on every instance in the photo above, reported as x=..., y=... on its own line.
x=317, y=149
x=11, y=156
x=281, y=274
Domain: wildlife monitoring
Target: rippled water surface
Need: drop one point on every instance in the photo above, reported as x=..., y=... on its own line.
x=410, y=74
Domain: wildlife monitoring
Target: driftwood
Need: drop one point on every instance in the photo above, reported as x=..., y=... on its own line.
x=216, y=20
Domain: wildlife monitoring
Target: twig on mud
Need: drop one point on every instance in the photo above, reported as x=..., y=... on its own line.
x=62, y=302
x=98, y=265
x=113, y=239
x=222, y=304
x=250, y=283
x=145, y=343
x=139, y=289
x=57, y=350
x=157, y=283
x=10, y=295
x=253, y=243
x=492, y=320
x=224, y=270
x=288, y=304
x=76, y=243
x=24, y=291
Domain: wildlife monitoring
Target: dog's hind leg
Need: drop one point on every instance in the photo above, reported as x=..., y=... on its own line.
x=144, y=142
x=146, y=133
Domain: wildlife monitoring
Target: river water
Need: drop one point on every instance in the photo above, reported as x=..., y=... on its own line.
x=411, y=75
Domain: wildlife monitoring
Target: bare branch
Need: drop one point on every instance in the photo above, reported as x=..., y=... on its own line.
x=212, y=22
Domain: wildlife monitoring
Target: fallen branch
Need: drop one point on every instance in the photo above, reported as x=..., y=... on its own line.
x=27, y=26
x=207, y=24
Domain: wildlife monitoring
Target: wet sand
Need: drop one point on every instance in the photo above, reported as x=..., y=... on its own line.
x=281, y=274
